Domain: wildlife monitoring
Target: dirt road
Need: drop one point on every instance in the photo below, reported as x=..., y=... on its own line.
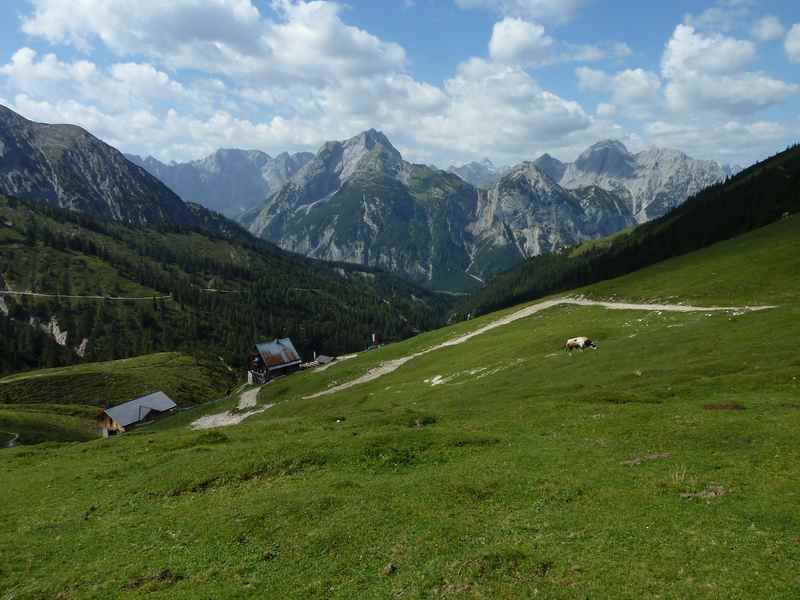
x=392, y=365
x=246, y=408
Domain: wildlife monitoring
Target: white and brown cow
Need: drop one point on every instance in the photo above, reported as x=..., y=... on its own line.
x=579, y=343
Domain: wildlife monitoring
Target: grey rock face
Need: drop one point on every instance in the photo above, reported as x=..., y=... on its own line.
x=608, y=157
x=529, y=214
x=229, y=181
x=552, y=167
x=480, y=174
x=652, y=182
x=69, y=168
x=359, y=201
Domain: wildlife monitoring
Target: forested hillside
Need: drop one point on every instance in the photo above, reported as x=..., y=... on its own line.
x=193, y=292
x=755, y=197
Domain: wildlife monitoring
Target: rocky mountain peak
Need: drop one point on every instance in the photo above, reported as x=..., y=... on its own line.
x=652, y=182
x=232, y=158
x=609, y=157
x=371, y=140
x=553, y=167
x=483, y=174
x=533, y=174
x=368, y=151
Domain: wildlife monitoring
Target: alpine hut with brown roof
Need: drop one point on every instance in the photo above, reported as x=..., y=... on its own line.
x=272, y=359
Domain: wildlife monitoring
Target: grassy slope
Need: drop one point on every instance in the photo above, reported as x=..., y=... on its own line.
x=505, y=482
x=761, y=266
x=60, y=404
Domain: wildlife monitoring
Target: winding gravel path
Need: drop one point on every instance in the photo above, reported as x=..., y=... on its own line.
x=247, y=403
x=392, y=365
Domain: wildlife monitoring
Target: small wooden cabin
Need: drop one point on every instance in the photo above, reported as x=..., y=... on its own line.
x=272, y=359
x=122, y=417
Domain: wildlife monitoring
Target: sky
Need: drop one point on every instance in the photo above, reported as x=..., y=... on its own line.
x=447, y=81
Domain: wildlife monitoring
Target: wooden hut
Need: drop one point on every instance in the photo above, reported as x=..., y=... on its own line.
x=271, y=359
x=122, y=417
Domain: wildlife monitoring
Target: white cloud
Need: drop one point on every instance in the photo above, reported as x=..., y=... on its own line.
x=690, y=51
x=594, y=52
x=792, y=43
x=189, y=76
x=151, y=26
x=171, y=135
x=768, y=28
x=123, y=85
x=725, y=15
x=734, y=94
x=636, y=86
x=547, y=10
x=500, y=107
x=225, y=37
x=705, y=73
x=724, y=139
x=635, y=90
x=593, y=80
x=314, y=40
x=520, y=42
x=604, y=109
x=701, y=99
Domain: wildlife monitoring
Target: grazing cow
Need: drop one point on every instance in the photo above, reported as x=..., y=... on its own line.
x=579, y=343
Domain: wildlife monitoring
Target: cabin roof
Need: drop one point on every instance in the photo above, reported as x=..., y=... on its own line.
x=137, y=410
x=278, y=353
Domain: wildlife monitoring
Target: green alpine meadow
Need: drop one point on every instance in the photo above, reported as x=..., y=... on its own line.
x=661, y=464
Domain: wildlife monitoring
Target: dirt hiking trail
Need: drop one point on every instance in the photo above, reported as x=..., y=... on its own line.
x=246, y=408
x=392, y=365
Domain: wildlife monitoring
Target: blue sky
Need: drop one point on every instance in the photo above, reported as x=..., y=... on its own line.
x=446, y=80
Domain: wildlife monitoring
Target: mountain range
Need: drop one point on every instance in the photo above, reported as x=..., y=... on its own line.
x=359, y=201
x=652, y=182
x=229, y=181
